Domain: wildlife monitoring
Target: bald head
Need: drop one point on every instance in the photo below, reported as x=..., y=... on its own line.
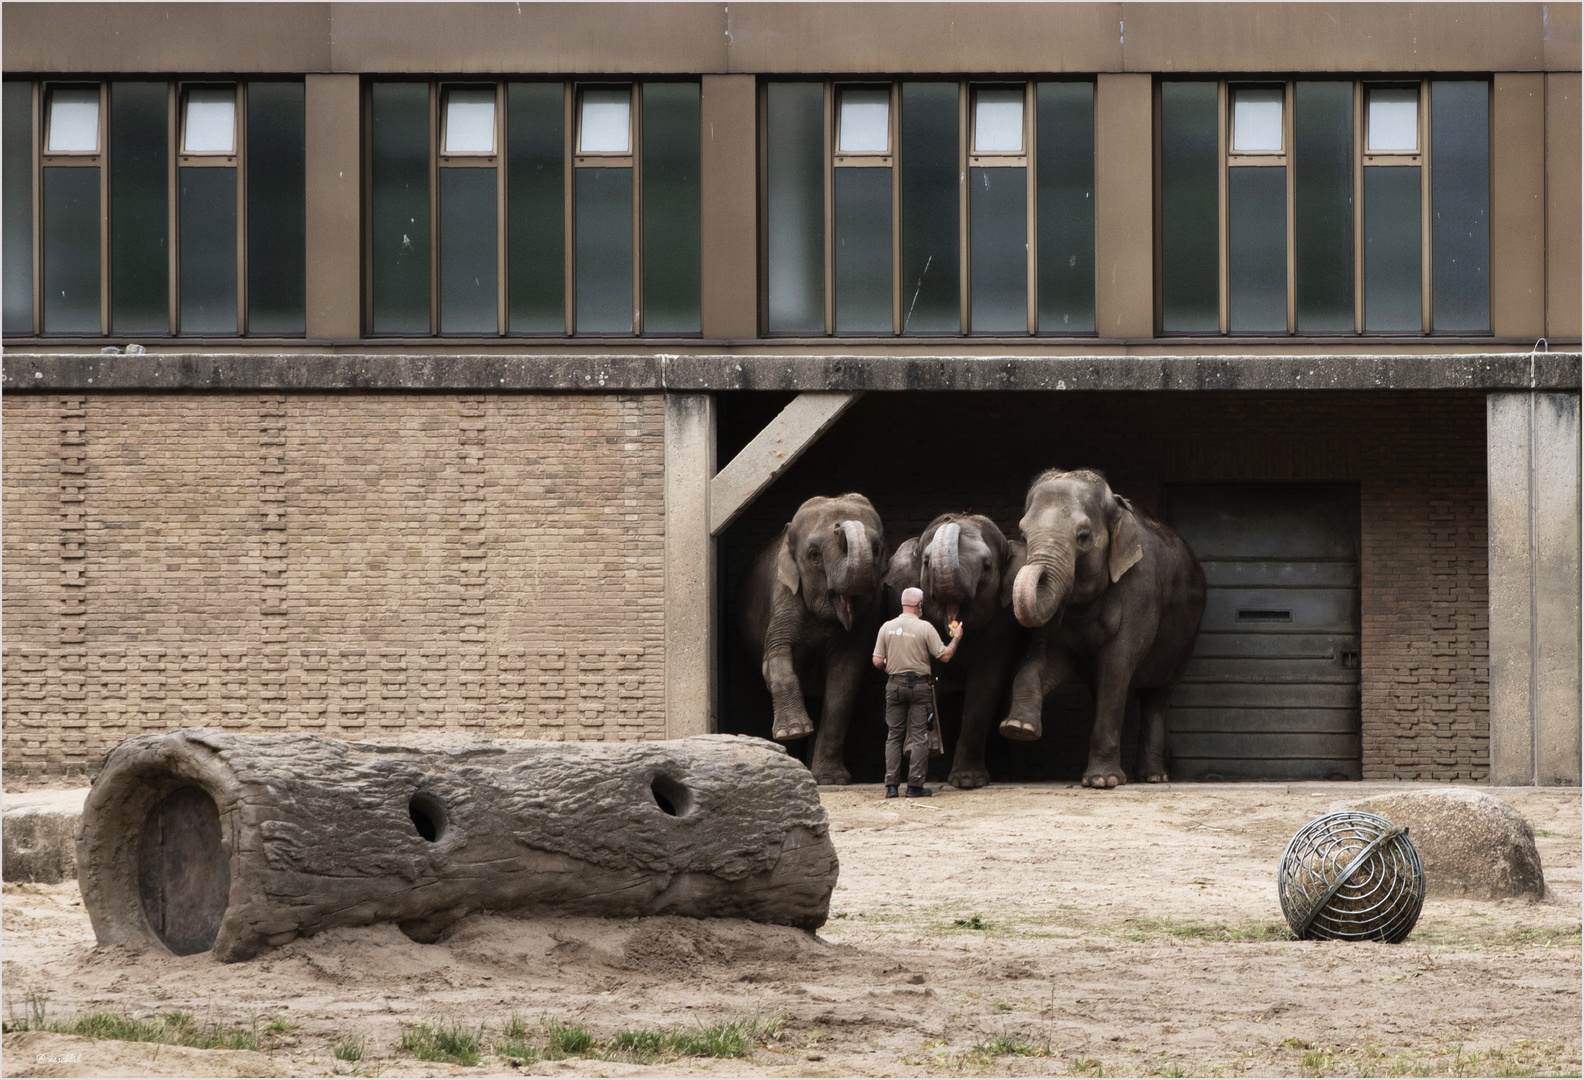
x=912, y=598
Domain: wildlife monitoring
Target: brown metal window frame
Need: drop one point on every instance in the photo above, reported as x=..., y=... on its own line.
x=176, y=159
x=573, y=158
x=968, y=88
x=1420, y=156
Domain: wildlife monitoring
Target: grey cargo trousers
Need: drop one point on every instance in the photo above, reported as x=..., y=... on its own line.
x=907, y=704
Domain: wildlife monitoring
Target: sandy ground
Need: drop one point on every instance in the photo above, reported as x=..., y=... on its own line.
x=1017, y=930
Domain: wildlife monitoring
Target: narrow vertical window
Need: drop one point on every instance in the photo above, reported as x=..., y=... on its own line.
x=1393, y=227
x=862, y=226
x=931, y=194
x=998, y=213
x=535, y=208
x=139, y=208
x=1323, y=206
x=603, y=222
x=277, y=213
x=671, y=210
x=1257, y=213
x=1189, y=225
x=468, y=215
x=71, y=211
x=399, y=218
x=16, y=159
x=795, y=177
x=207, y=212
x=1460, y=206
x=1064, y=148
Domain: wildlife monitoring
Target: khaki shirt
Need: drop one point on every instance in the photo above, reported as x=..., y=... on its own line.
x=906, y=643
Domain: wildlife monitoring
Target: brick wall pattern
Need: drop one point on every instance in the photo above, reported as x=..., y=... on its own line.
x=357, y=565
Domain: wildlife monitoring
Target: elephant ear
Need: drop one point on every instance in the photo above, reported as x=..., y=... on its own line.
x=1017, y=558
x=786, y=564
x=1126, y=544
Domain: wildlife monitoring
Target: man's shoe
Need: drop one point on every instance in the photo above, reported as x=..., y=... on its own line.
x=891, y=791
x=918, y=792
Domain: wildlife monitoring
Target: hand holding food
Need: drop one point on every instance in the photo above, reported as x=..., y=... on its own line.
x=956, y=628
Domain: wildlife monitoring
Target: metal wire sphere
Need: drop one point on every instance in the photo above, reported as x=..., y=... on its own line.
x=1351, y=876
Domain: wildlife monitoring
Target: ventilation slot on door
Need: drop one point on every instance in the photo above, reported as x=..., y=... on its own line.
x=1264, y=615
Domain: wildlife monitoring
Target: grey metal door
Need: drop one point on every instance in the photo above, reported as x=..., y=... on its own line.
x=1272, y=691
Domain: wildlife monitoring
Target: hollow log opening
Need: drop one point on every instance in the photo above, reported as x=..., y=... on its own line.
x=428, y=816
x=184, y=877
x=671, y=796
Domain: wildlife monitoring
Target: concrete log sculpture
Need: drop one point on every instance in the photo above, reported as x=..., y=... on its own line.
x=198, y=840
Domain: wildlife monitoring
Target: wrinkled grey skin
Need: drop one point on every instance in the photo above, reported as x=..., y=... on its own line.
x=965, y=566
x=1116, y=598
x=813, y=610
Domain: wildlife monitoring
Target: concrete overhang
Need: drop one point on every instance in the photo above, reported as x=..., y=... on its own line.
x=633, y=372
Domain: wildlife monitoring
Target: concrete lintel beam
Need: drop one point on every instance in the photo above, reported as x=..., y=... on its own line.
x=772, y=451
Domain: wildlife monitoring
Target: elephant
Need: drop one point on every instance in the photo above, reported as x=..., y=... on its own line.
x=965, y=565
x=1114, y=597
x=813, y=607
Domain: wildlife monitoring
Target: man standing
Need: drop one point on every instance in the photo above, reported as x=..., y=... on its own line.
x=903, y=649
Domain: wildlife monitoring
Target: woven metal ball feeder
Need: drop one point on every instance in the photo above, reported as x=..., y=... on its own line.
x=1351, y=876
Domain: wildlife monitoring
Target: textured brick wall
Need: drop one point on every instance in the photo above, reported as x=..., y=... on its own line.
x=355, y=564
x=1418, y=458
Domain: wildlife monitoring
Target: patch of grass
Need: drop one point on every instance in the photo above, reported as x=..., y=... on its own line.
x=1170, y=1070
x=1088, y=1066
x=442, y=1041
x=566, y=1040
x=1009, y=1044
x=349, y=1048
x=1145, y=928
x=973, y=922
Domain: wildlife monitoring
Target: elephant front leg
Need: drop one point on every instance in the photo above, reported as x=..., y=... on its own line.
x=1042, y=671
x=843, y=674
x=1113, y=674
x=1152, y=735
x=786, y=694
x=979, y=702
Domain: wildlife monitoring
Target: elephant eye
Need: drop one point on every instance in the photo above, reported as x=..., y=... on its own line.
x=1085, y=540
x=813, y=552
x=987, y=562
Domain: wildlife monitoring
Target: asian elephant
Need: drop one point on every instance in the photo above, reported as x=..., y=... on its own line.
x=966, y=566
x=812, y=613
x=1115, y=598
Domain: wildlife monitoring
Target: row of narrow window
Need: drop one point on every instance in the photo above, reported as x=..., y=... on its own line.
x=913, y=207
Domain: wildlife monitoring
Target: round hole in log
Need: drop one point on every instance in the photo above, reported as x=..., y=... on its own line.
x=184, y=877
x=428, y=816
x=671, y=796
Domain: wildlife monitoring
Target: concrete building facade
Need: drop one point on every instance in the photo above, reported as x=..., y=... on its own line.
x=458, y=404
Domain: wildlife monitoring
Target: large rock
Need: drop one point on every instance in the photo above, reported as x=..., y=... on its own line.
x=199, y=840
x=36, y=838
x=1472, y=844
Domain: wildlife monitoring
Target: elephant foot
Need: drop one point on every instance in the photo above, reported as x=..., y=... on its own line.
x=1022, y=730
x=1155, y=778
x=792, y=729
x=1104, y=778
x=827, y=773
x=967, y=779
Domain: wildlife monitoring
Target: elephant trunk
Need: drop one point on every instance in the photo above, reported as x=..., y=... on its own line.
x=946, y=582
x=852, y=570
x=1042, y=586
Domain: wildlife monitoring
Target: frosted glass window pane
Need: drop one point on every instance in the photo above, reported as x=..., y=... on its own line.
x=1257, y=249
x=794, y=160
x=1460, y=206
x=74, y=119
x=1393, y=119
x=998, y=250
x=863, y=251
x=16, y=160
x=604, y=129
x=1392, y=253
x=931, y=301
x=998, y=121
x=1323, y=206
x=1190, y=241
x=1257, y=119
x=211, y=121
x=865, y=115
x=470, y=121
